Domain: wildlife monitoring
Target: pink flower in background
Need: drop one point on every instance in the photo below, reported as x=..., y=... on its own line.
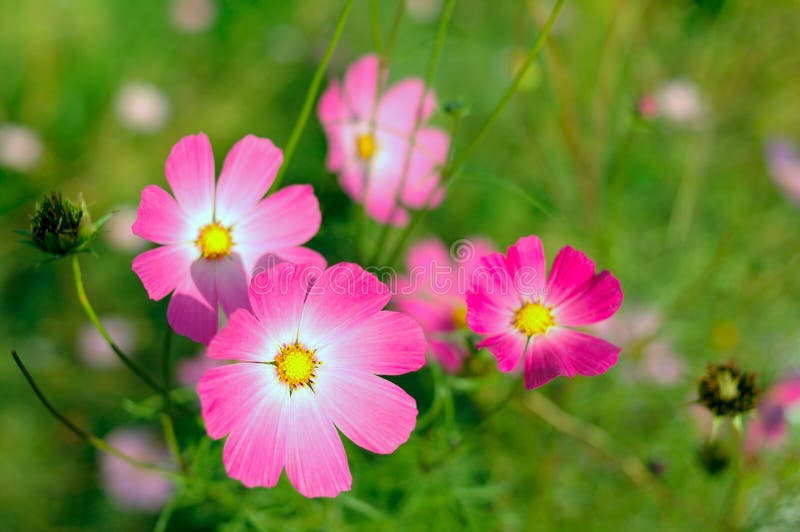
x=93, y=348
x=434, y=293
x=215, y=237
x=192, y=16
x=20, y=147
x=118, y=232
x=784, y=167
x=525, y=316
x=130, y=486
x=308, y=357
x=142, y=107
x=634, y=330
x=370, y=133
x=189, y=370
x=679, y=101
x=770, y=428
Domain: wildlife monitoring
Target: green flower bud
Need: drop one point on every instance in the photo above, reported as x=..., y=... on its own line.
x=61, y=227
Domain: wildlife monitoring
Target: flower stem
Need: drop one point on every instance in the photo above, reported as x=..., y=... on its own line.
x=167, y=422
x=375, y=22
x=433, y=63
x=87, y=307
x=311, y=95
x=91, y=439
x=460, y=158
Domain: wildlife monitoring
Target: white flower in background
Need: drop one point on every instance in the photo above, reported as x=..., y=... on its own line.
x=130, y=486
x=95, y=351
x=423, y=10
x=192, y=16
x=117, y=230
x=20, y=147
x=142, y=107
x=679, y=101
x=783, y=160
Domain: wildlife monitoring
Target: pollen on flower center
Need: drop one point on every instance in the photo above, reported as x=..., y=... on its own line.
x=534, y=319
x=365, y=145
x=295, y=365
x=215, y=241
x=460, y=317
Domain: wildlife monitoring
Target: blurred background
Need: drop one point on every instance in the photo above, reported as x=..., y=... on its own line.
x=657, y=135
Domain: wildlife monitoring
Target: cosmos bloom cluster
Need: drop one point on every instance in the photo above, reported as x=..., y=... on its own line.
x=302, y=355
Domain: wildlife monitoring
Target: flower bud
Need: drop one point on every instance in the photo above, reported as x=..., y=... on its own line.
x=727, y=391
x=61, y=227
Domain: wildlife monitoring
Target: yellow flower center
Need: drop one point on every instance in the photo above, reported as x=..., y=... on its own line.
x=365, y=146
x=295, y=365
x=460, y=317
x=534, y=319
x=215, y=241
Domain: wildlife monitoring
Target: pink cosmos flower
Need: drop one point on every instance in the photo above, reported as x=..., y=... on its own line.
x=214, y=238
x=770, y=427
x=784, y=166
x=308, y=357
x=434, y=293
x=379, y=144
x=525, y=316
x=189, y=370
x=130, y=486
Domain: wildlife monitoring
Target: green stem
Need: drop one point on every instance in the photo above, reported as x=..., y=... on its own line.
x=393, y=29
x=91, y=439
x=455, y=165
x=311, y=96
x=375, y=22
x=87, y=307
x=430, y=72
x=167, y=422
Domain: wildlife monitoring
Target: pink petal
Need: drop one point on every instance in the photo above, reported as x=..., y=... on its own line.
x=493, y=300
x=344, y=295
x=427, y=160
x=163, y=268
x=434, y=314
x=296, y=255
x=161, y=220
x=567, y=352
x=331, y=106
x=302, y=255
x=383, y=343
x=192, y=310
x=372, y=412
x=247, y=401
x=399, y=108
x=360, y=86
x=507, y=348
x=571, y=272
x=315, y=460
x=190, y=174
x=277, y=296
x=449, y=354
x=288, y=218
x=526, y=265
x=247, y=174
x=243, y=338
x=601, y=299
x=232, y=281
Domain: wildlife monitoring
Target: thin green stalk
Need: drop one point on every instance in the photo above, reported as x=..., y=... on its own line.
x=94, y=441
x=375, y=23
x=433, y=63
x=167, y=422
x=87, y=307
x=311, y=96
x=393, y=29
x=458, y=160
x=462, y=156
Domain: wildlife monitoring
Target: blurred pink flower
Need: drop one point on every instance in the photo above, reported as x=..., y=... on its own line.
x=679, y=101
x=423, y=10
x=95, y=351
x=215, y=236
x=117, y=230
x=141, y=107
x=783, y=161
x=525, y=316
x=192, y=16
x=659, y=363
x=770, y=428
x=434, y=293
x=370, y=132
x=189, y=370
x=132, y=487
x=309, y=355
x=20, y=147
